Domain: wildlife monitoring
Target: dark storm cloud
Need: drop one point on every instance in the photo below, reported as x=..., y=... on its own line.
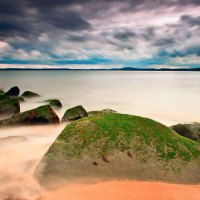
x=67, y=20
x=11, y=7
x=33, y=16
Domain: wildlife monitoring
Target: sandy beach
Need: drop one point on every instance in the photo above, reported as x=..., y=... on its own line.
x=127, y=190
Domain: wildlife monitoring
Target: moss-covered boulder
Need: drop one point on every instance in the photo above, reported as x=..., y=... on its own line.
x=119, y=146
x=100, y=112
x=54, y=103
x=74, y=113
x=191, y=131
x=9, y=106
x=40, y=115
x=14, y=91
x=29, y=94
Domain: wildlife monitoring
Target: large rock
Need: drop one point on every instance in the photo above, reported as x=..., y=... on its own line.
x=29, y=94
x=74, y=113
x=191, y=131
x=118, y=146
x=14, y=91
x=40, y=115
x=9, y=106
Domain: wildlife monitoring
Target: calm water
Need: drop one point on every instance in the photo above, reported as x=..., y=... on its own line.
x=169, y=97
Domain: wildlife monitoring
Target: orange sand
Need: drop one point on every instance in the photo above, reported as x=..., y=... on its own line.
x=126, y=190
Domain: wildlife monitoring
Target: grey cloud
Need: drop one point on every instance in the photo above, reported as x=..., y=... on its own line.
x=66, y=20
x=124, y=35
x=193, y=21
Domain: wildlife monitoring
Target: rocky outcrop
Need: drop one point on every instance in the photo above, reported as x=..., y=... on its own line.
x=40, y=115
x=29, y=94
x=14, y=91
x=191, y=131
x=74, y=113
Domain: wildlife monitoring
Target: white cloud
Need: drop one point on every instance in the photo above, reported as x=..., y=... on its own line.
x=43, y=37
x=193, y=59
x=4, y=46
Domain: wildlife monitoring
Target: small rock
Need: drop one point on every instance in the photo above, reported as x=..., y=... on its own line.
x=54, y=103
x=129, y=154
x=95, y=163
x=14, y=91
x=29, y=94
x=105, y=159
x=74, y=113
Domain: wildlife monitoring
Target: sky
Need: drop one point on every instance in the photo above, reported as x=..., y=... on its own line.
x=99, y=33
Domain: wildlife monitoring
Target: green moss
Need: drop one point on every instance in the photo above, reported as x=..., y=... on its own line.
x=3, y=97
x=104, y=134
x=41, y=115
x=9, y=106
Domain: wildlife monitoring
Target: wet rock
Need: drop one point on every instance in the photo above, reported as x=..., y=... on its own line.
x=9, y=106
x=191, y=131
x=54, y=103
x=40, y=115
x=14, y=91
x=74, y=113
x=29, y=94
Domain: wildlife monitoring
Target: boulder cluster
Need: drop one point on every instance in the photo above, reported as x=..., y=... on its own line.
x=10, y=110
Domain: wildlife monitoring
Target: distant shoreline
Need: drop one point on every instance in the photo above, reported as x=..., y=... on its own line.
x=113, y=69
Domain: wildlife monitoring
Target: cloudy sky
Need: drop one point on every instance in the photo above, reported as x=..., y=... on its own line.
x=100, y=33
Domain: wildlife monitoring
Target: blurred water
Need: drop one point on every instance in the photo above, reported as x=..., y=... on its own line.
x=169, y=97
